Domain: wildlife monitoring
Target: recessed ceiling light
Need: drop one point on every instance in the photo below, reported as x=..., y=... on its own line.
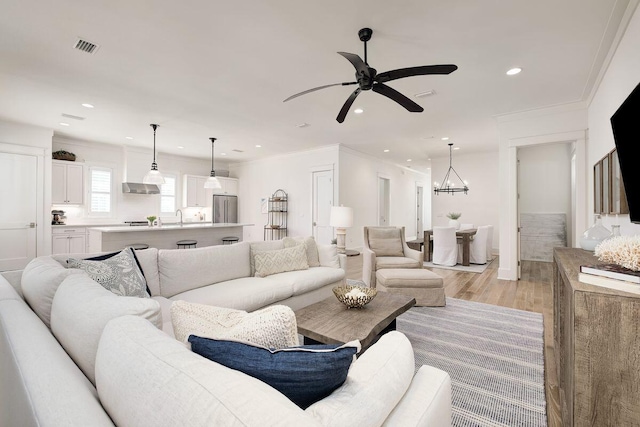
x=456, y=148
x=445, y=138
x=358, y=111
x=386, y=151
x=303, y=125
x=514, y=71
x=64, y=124
x=180, y=147
x=128, y=137
x=223, y=154
x=425, y=93
x=87, y=105
x=429, y=159
x=258, y=146
x=408, y=160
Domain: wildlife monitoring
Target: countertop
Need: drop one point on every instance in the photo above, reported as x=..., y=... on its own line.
x=165, y=227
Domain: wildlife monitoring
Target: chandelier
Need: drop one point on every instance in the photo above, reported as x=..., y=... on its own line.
x=447, y=186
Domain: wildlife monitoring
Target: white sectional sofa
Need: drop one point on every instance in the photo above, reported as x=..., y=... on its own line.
x=140, y=375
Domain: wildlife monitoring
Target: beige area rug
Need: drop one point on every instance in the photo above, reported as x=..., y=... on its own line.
x=473, y=268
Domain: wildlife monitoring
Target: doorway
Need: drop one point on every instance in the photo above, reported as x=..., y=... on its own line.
x=419, y=211
x=384, y=201
x=322, y=202
x=18, y=184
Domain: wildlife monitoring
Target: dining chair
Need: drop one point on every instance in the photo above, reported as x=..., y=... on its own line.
x=490, y=243
x=477, y=247
x=445, y=246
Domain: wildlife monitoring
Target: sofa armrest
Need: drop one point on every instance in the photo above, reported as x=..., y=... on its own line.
x=426, y=403
x=369, y=267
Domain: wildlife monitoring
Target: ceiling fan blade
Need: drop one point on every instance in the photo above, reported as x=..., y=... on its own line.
x=318, y=88
x=415, y=71
x=345, y=108
x=398, y=97
x=357, y=63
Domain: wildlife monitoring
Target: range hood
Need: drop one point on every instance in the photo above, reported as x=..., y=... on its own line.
x=139, y=188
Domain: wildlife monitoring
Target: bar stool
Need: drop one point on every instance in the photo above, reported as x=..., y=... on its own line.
x=186, y=244
x=139, y=246
x=230, y=240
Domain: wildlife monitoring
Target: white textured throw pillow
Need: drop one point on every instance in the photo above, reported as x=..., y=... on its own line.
x=328, y=255
x=289, y=259
x=272, y=327
x=309, y=245
x=269, y=245
x=119, y=274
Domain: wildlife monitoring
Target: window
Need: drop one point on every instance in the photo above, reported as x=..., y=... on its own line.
x=168, y=195
x=100, y=191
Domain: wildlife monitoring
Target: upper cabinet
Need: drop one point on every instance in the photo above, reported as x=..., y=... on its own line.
x=195, y=195
x=67, y=183
x=229, y=186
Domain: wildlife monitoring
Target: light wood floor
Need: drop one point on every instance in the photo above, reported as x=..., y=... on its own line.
x=531, y=293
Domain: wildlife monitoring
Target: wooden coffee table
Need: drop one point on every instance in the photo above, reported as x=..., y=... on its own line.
x=331, y=322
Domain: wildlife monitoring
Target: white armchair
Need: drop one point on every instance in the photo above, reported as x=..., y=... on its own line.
x=385, y=247
x=445, y=246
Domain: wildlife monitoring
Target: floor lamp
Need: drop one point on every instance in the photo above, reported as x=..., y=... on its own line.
x=341, y=219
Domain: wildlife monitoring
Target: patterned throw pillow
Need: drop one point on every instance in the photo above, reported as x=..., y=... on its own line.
x=273, y=327
x=279, y=261
x=304, y=374
x=119, y=274
x=310, y=246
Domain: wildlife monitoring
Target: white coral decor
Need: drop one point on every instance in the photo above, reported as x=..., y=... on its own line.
x=621, y=250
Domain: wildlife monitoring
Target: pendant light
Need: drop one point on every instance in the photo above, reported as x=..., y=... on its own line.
x=447, y=186
x=212, y=182
x=153, y=176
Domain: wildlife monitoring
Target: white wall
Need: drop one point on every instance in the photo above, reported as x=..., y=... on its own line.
x=131, y=163
x=481, y=205
x=620, y=79
x=359, y=189
x=292, y=173
x=38, y=141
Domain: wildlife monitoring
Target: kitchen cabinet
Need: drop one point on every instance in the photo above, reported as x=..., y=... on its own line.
x=67, y=183
x=195, y=195
x=69, y=240
x=229, y=186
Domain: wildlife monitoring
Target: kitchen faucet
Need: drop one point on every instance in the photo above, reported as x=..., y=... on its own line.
x=180, y=216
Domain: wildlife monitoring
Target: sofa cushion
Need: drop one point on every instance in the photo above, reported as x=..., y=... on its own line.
x=247, y=293
x=386, y=241
x=148, y=259
x=281, y=260
x=310, y=246
x=328, y=256
x=40, y=280
x=273, y=327
x=269, y=245
x=81, y=309
x=375, y=385
x=145, y=378
x=182, y=270
x=304, y=374
x=304, y=281
x=118, y=272
x=385, y=262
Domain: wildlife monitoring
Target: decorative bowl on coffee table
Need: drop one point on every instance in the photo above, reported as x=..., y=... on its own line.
x=354, y=296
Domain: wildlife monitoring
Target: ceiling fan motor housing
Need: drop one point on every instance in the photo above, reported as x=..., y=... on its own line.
x=366, y=80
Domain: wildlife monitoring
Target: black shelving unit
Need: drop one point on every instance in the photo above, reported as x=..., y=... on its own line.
x=276, y=227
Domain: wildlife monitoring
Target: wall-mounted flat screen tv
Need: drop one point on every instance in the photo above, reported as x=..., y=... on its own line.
x=626, y=133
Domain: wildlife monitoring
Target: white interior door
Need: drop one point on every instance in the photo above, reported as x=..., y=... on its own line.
x=383, y=201
x=322, y=202
x=18, y=191
x=419, y=212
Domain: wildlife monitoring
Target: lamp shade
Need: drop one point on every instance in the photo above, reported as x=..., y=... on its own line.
x=213, y=183
x=341, y=217
x=153, y=177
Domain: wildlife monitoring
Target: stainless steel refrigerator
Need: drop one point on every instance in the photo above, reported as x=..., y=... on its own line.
x=225, y=209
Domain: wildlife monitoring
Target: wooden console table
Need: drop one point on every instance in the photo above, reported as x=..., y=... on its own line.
x=597, y=346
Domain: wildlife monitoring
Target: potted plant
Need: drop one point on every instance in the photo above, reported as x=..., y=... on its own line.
x=453, y=219
x=151, y=218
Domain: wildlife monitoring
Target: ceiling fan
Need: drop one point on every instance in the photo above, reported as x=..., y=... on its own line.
x=368, y=79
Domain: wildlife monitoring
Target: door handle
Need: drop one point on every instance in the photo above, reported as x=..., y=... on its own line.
x=31, y=225
x=315, y=223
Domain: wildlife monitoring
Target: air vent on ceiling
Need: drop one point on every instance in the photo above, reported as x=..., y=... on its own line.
x=86, y=46
x=71, y=116
x=237, y=151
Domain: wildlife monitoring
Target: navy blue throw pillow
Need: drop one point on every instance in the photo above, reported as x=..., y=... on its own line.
x=304, y=374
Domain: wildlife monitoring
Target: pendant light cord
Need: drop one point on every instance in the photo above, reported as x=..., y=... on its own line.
x=213, y=172
x=154, y=148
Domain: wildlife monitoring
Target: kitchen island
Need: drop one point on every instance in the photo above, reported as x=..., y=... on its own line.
x=105, y=239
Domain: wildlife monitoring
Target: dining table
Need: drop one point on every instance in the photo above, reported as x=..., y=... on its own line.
x=463, y=236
